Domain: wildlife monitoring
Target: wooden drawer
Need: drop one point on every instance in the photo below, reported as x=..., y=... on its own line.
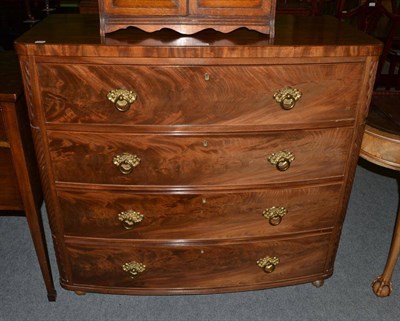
x=10, y=197
x=198, y=160
x=192, y=268
x=225, y=214
x=177, y=95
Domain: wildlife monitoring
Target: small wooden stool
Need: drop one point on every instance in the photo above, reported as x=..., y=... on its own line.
x=381, y=146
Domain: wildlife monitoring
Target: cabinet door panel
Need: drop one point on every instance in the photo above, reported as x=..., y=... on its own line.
x=231, y=7
x=146, y=7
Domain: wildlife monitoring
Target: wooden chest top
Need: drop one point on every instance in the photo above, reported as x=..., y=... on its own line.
x=295, y=36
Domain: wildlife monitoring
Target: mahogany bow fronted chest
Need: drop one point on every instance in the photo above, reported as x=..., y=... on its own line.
x=196, y=164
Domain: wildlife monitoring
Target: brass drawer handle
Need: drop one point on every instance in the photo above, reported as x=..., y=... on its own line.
x=126, y=162
x=122, y=98
x=274, y=214
x=268, y=264
x=287, y=97
x=134, y=268
x=129, y=218
x=281, y=159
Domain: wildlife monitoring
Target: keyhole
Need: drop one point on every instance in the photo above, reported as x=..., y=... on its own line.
x=207, y=76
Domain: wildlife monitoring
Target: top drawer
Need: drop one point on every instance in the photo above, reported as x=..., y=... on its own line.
x=199, y=95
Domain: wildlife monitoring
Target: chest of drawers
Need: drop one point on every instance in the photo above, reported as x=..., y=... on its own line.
x=204, y=164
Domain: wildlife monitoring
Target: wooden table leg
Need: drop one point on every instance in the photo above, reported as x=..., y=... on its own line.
x=382, y=285
x=36, y=228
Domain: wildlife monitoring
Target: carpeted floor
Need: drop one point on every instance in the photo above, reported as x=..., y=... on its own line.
x=345, y=296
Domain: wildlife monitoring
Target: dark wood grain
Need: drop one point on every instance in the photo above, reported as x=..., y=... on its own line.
x=3, y=135
x=296, y=36
x=180, y=95
x=10, y=197
x=198, y=216
x=184, y=160
x=183, y=268
x=88, y=6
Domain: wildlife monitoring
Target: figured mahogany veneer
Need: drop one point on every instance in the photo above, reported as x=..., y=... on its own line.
x=197, y=268
x=198, y=160
x=187, y=16
x=188, y=98
x=202, y=207
x=221, y=215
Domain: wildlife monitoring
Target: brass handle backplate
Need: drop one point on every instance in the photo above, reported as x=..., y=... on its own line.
x=274, y=214
x=122, y=98
x=129, y=218
x=268, y=264
x=134, y=268
x=126, y=162
x=287, y=97
x=281, y=160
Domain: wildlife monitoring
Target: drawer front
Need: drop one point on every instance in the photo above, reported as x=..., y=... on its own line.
x=219, y=215
x=196, y=267
x=198, y=160
x=10, y=197
x=145, y=7
x=206, y=95
x=231, y=8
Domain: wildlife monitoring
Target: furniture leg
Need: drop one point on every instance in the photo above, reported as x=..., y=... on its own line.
x=36, y=228
x=382, y=285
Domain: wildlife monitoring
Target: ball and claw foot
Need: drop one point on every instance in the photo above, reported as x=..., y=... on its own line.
x=318, y=283
x=382, y=287
x=80, y=293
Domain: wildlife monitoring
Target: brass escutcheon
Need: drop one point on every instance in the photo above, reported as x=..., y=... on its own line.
x=281, y=160
x=134, y=268
x=126, y=162
x=129, y=218
x=122, y=98
x=274, y=214
x=268, y=263
x=287, y=97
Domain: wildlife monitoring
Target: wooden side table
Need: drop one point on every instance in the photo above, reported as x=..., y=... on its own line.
x=19, y=177
x=381, y=146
